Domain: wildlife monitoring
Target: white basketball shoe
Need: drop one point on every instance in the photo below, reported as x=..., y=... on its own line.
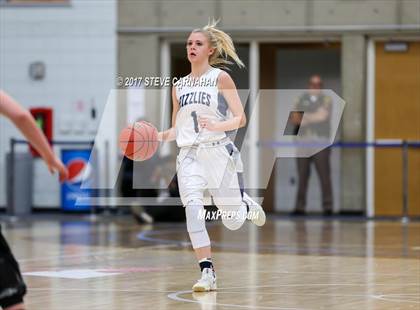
x=257, y=214
x=207, y=282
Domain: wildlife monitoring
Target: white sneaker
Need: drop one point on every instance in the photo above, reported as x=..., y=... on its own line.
x=258, y=215
x=207, y=282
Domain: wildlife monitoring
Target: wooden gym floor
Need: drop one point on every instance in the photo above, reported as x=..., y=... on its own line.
x=113, y=263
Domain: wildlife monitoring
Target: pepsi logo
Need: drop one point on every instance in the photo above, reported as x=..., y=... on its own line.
x=79, y=170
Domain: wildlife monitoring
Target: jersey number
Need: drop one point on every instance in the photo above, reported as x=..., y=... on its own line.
x=194, y=116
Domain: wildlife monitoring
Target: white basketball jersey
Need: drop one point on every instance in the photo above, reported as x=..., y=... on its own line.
x=196, y=98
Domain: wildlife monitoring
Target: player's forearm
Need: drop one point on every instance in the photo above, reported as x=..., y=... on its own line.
x=167, y=135
x=26, y=124
x=232, y=124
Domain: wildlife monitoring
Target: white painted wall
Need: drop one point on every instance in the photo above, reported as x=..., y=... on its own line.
x=77, y=42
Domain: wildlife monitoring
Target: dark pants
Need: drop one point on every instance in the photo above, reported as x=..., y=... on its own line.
x=322, y=165
x=12, y=287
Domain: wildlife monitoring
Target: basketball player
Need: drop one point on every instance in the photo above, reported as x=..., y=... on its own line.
x=208, y=158
x=12, y=287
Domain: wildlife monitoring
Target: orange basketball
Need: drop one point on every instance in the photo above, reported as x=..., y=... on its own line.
x=139, y=141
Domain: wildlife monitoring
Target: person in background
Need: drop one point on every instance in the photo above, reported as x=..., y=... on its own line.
x=315, y=126
x=12, y=286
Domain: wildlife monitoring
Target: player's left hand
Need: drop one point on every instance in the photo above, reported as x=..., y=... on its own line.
x=56, y=165
x=207, y=123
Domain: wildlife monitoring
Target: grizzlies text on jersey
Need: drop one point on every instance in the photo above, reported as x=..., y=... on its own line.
x=195, y=100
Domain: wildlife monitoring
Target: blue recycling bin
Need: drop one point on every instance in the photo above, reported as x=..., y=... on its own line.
x=81, y=181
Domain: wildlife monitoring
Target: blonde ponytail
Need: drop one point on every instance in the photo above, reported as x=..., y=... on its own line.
x=222, y=44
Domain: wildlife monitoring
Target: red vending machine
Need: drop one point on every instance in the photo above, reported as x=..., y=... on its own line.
x=44, y=120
